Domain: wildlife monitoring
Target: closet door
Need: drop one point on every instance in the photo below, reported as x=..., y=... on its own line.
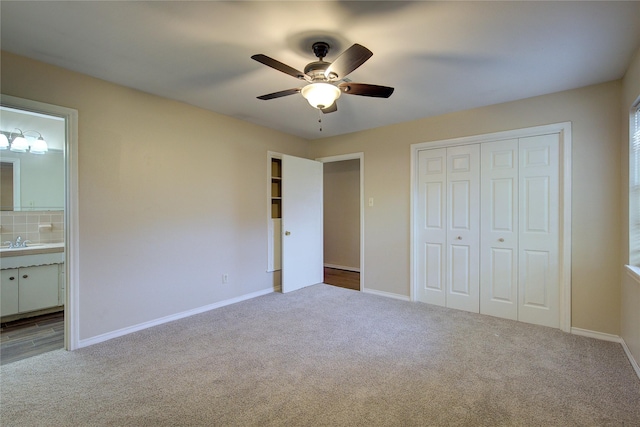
x=431, y=229
x=539, y=263
x=463, y=227
x=499, y=229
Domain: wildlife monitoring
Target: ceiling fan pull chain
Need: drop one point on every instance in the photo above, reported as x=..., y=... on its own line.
x=320, y=119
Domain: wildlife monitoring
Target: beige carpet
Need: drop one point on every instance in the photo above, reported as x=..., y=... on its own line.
x=328, y=356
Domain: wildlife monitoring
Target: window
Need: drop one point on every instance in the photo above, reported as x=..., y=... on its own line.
x=634, y=187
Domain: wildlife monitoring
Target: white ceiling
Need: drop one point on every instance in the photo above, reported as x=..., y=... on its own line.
x=439, y=56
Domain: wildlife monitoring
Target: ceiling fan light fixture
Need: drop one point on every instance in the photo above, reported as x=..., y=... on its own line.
x=320, y=95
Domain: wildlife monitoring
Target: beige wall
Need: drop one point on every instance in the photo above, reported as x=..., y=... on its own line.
x=170, y=197
x=630, y=291
x=342, y=213
x=594, y=113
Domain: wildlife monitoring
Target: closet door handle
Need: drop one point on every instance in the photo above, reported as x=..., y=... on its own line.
x=12, y=278
x=459, y=238
x=25, y=276
x=287, y=233
x=501, y=240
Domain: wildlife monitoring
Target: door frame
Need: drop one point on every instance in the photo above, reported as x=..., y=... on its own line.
x=354, y=156
x=564, y=131
x=71, y=222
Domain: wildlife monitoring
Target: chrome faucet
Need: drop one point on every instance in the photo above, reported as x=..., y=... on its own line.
x=19, y=243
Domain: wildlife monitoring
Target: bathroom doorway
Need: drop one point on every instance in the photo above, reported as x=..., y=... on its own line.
x=37, y=226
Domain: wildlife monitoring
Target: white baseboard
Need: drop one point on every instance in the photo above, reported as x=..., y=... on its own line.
x=386, y=294
x=128, y=330
x=633, y=361
x=343, y=267
x=609, y=337
x=597, y=335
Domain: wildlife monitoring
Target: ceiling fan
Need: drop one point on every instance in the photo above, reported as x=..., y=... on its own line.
x=327, y=79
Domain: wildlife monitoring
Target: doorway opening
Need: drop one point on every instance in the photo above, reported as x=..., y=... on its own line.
x=38, y=230
x=343, y=178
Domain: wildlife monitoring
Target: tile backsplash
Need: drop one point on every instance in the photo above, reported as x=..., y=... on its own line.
x=37, y=226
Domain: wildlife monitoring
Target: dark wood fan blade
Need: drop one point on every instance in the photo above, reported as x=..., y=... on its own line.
x=364, y=89
x=348, y=61
x=331, y=109
x=279, y=94
x=275, y=64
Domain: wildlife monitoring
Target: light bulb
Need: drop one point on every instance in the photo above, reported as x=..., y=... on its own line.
x=4, y=142
x=320, y=95
x=39, y=146
x=19, y=144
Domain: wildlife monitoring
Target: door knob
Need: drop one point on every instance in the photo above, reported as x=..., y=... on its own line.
x=501, y=240
x=459, y=238
x=287, y=233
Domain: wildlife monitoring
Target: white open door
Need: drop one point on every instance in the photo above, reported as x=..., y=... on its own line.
x=302, y=239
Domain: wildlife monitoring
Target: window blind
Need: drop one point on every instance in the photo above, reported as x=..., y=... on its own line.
x=634, y=189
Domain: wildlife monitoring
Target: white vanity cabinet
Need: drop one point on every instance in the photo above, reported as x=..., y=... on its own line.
x=9, y=292
x=38, y=287
x=29, y=288
x=32, y=278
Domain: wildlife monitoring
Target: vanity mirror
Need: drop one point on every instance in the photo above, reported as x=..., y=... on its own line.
x=30, y=181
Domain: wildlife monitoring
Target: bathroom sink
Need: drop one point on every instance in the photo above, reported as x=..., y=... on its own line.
x=29, y=246
x=5, y=250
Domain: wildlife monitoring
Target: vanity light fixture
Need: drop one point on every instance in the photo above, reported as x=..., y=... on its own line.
x=20, y=144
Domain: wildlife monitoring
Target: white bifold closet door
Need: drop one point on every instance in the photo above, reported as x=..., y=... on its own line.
x=463, y=227
x=539, y=225
x=499, y=235
x=449, y=182
x=488, y=228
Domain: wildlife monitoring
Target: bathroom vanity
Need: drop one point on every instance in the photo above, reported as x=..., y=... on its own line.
x=32, y=279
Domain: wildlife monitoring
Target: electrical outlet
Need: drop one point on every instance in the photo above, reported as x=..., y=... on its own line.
x=225, y=278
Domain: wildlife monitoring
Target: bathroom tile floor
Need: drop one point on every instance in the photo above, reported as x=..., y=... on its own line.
x=25, y=338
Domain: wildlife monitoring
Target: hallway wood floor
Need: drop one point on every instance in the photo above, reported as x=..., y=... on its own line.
x=25, y=338
x=342, y=278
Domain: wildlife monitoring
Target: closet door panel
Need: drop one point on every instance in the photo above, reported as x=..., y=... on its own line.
x=539, y=236
x=431, y=226
x=463, y=220
x=499, y=229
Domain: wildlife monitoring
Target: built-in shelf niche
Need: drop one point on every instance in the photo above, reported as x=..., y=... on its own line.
x=276, y=188
x=275, y=219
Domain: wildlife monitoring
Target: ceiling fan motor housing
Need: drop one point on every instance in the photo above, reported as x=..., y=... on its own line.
x=316, y=69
